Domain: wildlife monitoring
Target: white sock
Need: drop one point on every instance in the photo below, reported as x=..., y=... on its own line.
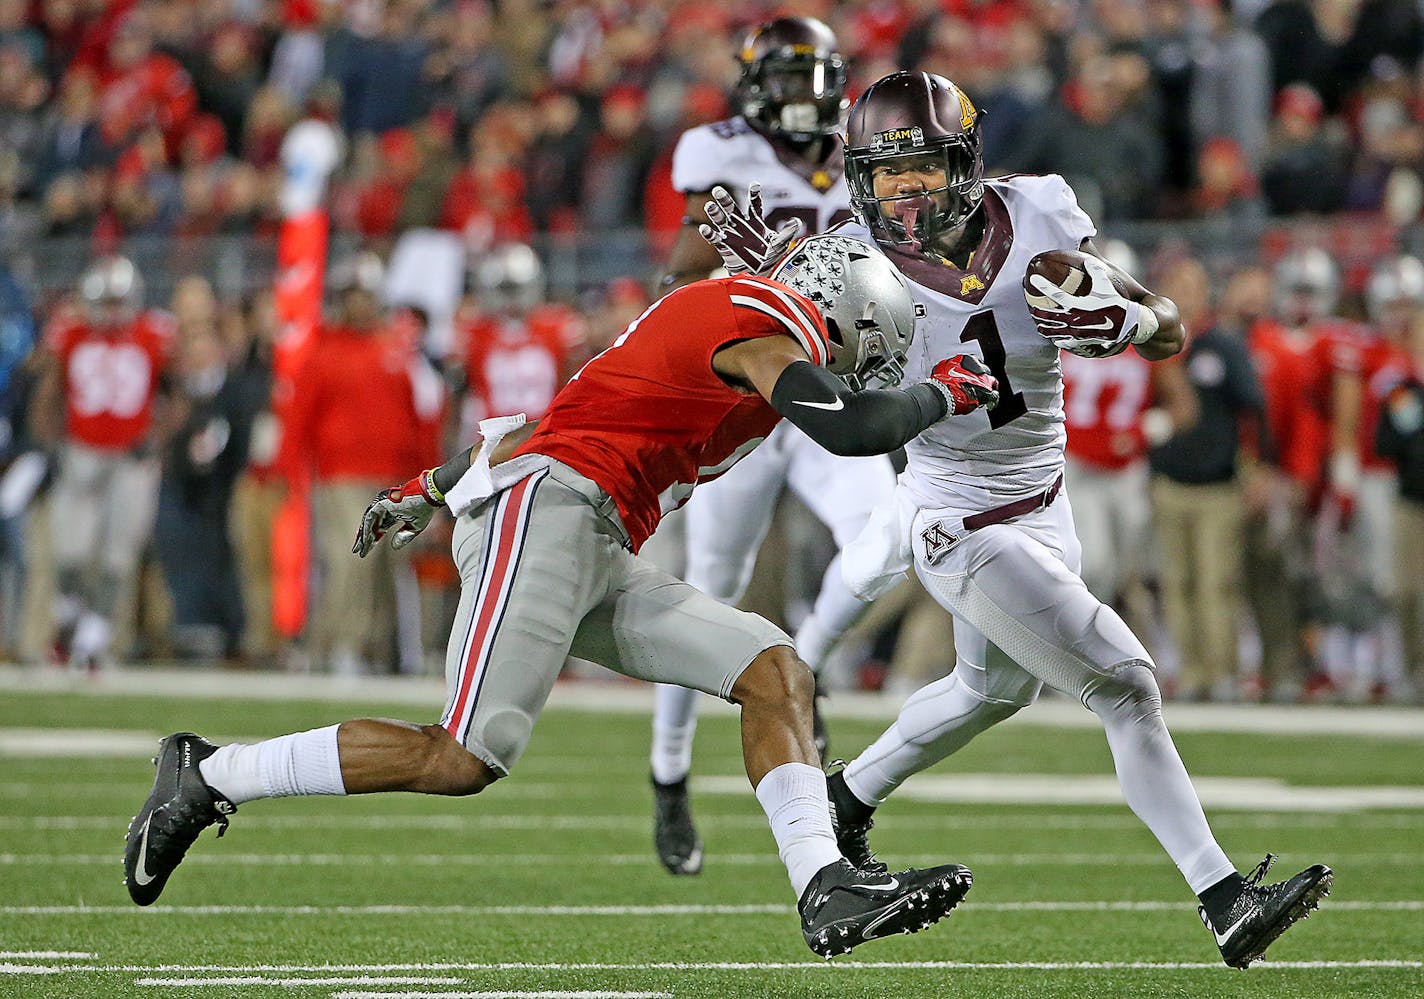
x=91, y=636
x=674, y=725
x=794, y=798
x=1156, y=785
x=304, y=763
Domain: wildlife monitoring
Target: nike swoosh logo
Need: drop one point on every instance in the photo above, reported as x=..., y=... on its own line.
x=1223, y=938
x=831, y=406
x=890, y=885
x=141, y=875
x=1106, y=324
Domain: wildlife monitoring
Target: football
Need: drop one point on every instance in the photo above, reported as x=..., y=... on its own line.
x=1063, y=268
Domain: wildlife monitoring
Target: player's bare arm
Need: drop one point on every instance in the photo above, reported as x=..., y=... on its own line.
x=1170, y=337
x=872, y=421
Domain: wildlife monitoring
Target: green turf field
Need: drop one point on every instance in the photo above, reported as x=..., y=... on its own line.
x=546, y=886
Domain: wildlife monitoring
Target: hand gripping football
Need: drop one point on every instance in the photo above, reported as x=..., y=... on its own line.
x=1077, y=301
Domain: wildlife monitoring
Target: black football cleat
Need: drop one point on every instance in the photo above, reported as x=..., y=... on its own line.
x=843, y=907
x=852, y=832
x=1261, y=913
x=180, y=806
x=674, y=835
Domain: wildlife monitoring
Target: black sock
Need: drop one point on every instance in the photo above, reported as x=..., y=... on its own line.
x=1218, y=898
x=848, y=807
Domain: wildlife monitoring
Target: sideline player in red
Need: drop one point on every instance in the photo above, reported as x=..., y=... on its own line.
x=96, y=395
x=546, y=536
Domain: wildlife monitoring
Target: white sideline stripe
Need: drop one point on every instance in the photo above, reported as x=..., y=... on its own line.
x=835, y=967
x=638, y=823
x=583, y=994
x=47, y=955
x=296, y=983
x=219, y=859
x=1351, y=905
x=1247, y=793
x=636, y=698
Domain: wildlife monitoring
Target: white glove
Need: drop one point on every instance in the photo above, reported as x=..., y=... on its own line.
x=1097, y=322
x=406, y=508
x=747, y=244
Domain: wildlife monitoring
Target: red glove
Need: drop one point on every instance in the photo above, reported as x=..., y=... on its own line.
x=965, y=383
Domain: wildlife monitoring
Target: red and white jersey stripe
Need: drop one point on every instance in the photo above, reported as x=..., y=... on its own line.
x=803, y=323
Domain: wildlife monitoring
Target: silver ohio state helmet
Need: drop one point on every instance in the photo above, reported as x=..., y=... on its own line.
x=1396, y=283
x=112, y=283
x=869, y=312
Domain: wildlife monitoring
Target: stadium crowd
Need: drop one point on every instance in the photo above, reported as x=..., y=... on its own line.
x=1270, y=468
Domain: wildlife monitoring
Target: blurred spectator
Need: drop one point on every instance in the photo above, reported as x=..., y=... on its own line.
x=1226, y=188
x=204, y=455
x=1306, y=39
x=70, y=138
x=226, y=76
x=21, y=468
x=96, y=403
x=17, y=34
x=1110, y=155
x=1231, y=88
x=141, y=88
x=382, y=74
x=1400, y=436
x=618, y=162
x=1196, y=498
x=553, y=169
x=1305, y=169
x=485, y=200
x=23, y=91
x=365, y=410
x=468, y=72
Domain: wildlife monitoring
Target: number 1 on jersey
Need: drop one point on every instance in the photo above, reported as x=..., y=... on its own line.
x=981, y=329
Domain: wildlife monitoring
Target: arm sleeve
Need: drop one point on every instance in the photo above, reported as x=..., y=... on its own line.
x=876, y=421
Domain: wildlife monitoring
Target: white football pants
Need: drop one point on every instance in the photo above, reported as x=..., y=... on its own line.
x=1023, y=618
x=727, y=520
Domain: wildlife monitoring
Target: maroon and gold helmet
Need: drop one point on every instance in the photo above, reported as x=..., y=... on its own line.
x=793, y=79
x=908, y=115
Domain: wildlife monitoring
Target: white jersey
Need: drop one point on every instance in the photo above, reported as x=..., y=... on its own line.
x=991, y=457
x=735, y=155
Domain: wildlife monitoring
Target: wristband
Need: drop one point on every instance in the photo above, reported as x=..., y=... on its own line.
x=944, y=392
x=429, y=489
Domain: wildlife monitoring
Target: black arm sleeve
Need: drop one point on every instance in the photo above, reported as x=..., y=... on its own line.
x=449, y=473
x=876, y=421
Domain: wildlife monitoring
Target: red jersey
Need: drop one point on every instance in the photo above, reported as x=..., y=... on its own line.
x=1384, y=365
x=517, y=365
x=1104, y=399
x=111, y=377
x=1297, y=367
x=648, y=418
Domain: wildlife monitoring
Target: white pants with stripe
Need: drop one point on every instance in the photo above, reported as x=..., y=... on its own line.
x=545, y=574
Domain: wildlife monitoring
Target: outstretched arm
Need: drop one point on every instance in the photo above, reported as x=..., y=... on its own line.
x=873, y=421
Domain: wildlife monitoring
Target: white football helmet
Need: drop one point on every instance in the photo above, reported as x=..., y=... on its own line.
x=1397, y=283
x=1307, y=285
x=112, y=290
x=509, y=279
x=869, y=312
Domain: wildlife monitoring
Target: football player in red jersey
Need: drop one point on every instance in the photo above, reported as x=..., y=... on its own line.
x=96, y=400
x=549, y=519
x=1362, y=562
x=518, y=350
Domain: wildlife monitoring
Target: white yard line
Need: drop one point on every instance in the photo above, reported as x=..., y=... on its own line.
x=221, y=859
x=893, y=823
x=839, y=966
x=296, y=983
x=581, y=994
x=47, y=955
x=620, y=697
x=1355, y=905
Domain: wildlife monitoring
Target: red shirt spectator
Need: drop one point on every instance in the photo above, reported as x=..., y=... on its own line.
x=355, y=411
x=1104, y=400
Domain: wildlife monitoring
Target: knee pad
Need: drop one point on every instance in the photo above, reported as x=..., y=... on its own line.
x=1130, y=685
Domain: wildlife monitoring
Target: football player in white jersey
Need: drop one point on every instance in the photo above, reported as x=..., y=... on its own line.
x=792, y=97
x=980, y=513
